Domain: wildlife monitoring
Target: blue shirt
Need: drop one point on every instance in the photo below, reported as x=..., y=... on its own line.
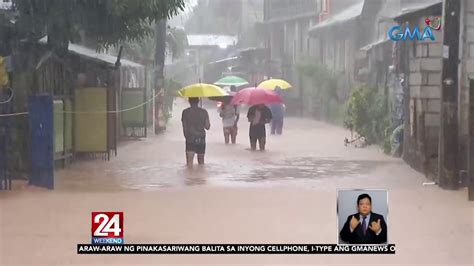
x=278, y=111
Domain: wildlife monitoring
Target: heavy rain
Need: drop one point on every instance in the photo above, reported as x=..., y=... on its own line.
x=284, y=126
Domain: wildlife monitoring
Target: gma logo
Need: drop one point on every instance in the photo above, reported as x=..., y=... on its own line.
x=398, y=33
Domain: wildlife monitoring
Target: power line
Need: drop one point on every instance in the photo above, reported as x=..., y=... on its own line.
x=91, y=112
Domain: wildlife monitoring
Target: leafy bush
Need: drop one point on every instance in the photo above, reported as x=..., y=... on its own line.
x=366, y=114
x=325, y=79
x=324, y=90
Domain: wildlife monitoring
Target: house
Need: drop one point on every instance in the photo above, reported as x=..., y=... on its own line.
x=423, y=63
x=248, y=63
x=336, y=40
x=286, y=24
x=420, y=64
x=467, y=93
x=354, y=44
x=93, y=98
x=379, y=56
x=120, y=83
x=335, y=45
x=206, y=48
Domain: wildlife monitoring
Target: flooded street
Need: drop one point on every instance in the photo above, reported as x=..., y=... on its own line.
x=284, y=195
x=306, y=154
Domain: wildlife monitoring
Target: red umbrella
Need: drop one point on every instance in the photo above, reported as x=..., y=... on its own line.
x=254, y=96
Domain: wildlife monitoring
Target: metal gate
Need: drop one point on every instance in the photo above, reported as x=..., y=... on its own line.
x=42, y=140
x=134, y=118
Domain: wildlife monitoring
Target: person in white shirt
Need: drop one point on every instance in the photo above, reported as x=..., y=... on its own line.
x=230, y=114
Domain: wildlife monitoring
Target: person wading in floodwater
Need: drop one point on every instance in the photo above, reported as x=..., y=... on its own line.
x=230, y=118
x=195, y=123
x=258, y=116
x=278, y=113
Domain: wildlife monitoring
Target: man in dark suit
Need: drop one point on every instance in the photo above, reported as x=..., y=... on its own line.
x=364, y=227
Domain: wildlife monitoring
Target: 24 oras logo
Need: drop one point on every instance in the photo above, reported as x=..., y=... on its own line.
x=107, y=228
x=399, y=33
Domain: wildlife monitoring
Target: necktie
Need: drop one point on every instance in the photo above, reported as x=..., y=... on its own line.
x=364, y=225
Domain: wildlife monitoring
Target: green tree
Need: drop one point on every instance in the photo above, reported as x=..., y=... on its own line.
x=143, y=51
x=109, y=22
x=324, y=89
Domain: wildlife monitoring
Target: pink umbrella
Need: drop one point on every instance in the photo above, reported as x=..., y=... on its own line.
x=253, y=96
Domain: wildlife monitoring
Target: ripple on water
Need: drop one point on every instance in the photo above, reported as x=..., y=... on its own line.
x=255, y=173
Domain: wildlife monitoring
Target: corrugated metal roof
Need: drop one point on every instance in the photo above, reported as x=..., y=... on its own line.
x=6, y=5
x=225, y=60
x=344, y=16
x=94, y=55
x=415, y=8
x=374, y=44
x=211, y=40
x=86, y=52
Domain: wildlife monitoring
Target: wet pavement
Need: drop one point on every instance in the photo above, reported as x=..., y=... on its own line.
x=284, y=195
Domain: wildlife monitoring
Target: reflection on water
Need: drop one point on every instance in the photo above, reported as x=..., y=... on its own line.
x=194, y=176
x=256, y=172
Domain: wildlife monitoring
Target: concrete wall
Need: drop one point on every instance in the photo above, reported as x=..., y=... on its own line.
x=467, y=73
x=422, y=136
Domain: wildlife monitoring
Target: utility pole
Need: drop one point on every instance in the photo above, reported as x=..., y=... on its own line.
x=448, y=150
x=160, y=53
x=471, y=142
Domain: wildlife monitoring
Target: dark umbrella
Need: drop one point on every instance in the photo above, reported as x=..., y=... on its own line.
x=223, y=98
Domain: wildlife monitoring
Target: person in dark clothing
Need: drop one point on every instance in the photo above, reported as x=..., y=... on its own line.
x=364, y=227
x=195, y=123
x=258, y=116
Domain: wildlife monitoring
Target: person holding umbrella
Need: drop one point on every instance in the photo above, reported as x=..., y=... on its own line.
x=258, y=115
x=196, y=120
x=278, y=109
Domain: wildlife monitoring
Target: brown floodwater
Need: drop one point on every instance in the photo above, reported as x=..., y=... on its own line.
x=284, y=195
x=306, y=153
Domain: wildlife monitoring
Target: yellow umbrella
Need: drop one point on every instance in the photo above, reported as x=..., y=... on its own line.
x=273, y=83
x=200, y=90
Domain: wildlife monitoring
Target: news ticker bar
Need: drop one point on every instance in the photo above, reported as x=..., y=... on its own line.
x=235, y=249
